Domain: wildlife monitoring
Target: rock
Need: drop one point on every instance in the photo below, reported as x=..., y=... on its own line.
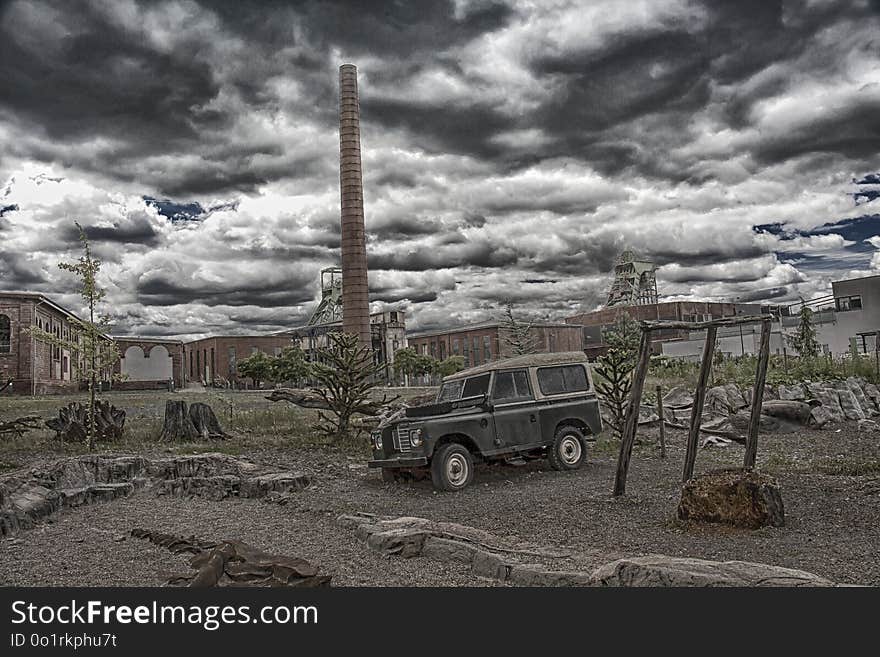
x=829, y=399
x=872, y=392
x=794, y=411
x=855, y=387
x=868, y=426
x=766, y=424
x=852, y=410
x=661, y=570
x=733, y=497
x=792, y=392
x=678, y=397
x=735, y=397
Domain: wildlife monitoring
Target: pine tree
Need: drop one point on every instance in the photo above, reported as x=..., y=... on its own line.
x=804, y=340
x=518, y=335
x=615, y=368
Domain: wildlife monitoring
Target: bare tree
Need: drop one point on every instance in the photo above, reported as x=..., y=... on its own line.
x=91, y=351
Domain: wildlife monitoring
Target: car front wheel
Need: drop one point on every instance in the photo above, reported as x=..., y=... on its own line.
x=452, y=468
x=569, y=449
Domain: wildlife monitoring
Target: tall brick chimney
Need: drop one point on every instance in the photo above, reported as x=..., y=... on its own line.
x=355, y=292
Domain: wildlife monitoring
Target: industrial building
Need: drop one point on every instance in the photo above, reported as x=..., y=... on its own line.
x=846, y=321
x=485, y=342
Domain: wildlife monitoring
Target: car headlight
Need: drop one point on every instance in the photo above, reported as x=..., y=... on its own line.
x=415, y=437
x=377, y=440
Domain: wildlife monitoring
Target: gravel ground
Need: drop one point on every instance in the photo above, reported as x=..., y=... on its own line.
x=830, y=485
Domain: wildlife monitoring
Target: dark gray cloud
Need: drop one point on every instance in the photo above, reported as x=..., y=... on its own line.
x=511, y=150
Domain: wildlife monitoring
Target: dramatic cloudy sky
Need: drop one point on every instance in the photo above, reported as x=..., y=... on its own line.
x=511, y=149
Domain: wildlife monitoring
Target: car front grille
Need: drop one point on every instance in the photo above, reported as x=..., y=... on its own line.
x=402, y=440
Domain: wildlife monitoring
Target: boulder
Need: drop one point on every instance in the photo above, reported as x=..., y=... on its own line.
x=793, y=411
x=872, y=392
x=661, y=570
x=792, y=392
x=829, y=399
x=678, y=397
x=733, y=497
x=855, y=387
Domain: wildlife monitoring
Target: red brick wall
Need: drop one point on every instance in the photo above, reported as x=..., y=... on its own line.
x=199, y=352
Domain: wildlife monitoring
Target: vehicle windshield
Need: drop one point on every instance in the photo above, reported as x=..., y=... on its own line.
x=464, y=388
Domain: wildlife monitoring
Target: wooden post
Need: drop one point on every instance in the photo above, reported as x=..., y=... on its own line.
x=662, y=422
x=757, y=398
x=631, y=422
x=699, y=397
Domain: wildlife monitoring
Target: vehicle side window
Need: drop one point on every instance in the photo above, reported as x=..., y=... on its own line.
x=512, y=385
x=567, y=378
x=477, y=385
x=450, y=391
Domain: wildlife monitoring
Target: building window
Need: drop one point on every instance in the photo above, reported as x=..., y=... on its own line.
x=455, y=349
x=848, y=303
x=277, y=352
x=232, y=366
x=5, y=335
x=466, y=351
x=487, y=348
x=476, y=350
x=442, y=351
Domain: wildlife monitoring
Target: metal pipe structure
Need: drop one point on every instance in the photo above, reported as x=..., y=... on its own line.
x=355, y=290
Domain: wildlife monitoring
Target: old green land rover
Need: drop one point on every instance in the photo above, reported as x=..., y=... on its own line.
x=528, y=407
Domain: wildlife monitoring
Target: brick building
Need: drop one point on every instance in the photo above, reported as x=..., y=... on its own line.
x=484, y=342
x=35, y=367
x=214, y=360
x=595, y=322
x=149, y=363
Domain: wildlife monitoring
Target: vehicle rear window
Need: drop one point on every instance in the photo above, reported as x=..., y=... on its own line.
x=566, y=378
x=512, y=385
x=477, y=385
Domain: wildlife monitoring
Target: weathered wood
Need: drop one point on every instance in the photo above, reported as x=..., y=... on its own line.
x=177, y=426
x=659, y=392
x=20, y=426
x=654, y=325
x=697, y=408
x=303, y=398
x=205, y=422
x=757, y=397
x=632, y=413
x=72, y=422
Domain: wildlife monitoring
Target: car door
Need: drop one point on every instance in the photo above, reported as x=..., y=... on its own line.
x=513, y=411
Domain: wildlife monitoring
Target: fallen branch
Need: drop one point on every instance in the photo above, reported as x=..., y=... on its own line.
x=20, y=426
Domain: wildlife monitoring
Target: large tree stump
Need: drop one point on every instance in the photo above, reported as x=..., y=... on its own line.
x=737, y=497
x=205, y=422
x=72, y=422
x=178, y=426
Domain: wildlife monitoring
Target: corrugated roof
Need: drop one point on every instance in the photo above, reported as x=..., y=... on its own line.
x=529, y=360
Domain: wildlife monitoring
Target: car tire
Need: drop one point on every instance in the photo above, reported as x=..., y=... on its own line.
x=452, y=468
x=568, y=450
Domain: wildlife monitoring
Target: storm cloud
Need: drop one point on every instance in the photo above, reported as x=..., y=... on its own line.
x=510, y=151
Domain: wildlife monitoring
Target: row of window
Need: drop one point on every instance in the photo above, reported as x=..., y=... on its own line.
x=514, y=385
x=853, y=302
x=475, y=350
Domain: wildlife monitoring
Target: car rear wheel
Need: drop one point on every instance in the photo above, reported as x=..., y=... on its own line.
x=452, y=468
x=569, y=449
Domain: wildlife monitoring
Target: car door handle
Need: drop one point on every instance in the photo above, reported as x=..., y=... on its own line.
x=532, y=418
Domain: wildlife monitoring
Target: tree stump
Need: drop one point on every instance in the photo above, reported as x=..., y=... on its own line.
x=178, y=426
x=206, y=423
x=736, y=497
x=72, y=422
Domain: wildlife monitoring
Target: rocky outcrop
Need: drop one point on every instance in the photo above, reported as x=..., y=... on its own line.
x=661, y=570
x=522, y=564
x=29, y=496
x=732, y=497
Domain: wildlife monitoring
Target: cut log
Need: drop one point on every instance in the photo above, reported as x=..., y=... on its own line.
x=205, y=422
x=234, y=563
x=304, y=398
x=72, y=422
x=178, y=426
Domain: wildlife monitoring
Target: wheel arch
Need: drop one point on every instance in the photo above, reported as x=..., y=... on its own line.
x=459, y=438
x=577, y=423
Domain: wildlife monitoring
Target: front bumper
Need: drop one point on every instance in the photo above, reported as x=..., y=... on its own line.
x=402, y=462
